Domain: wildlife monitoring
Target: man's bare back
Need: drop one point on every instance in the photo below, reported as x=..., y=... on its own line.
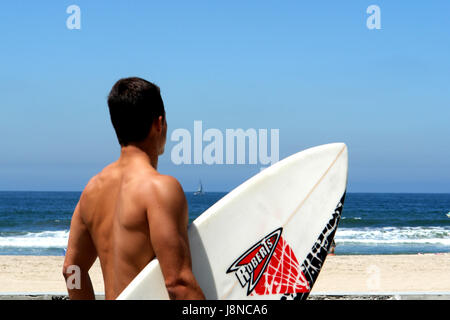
x=113, y=207
x=127, y=215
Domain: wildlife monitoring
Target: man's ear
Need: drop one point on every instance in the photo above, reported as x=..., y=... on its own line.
x=159, y=123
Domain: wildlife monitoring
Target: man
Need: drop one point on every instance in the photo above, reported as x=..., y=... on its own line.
x=129, y=214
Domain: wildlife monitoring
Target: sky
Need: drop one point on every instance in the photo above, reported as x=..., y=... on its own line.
x=312, y=70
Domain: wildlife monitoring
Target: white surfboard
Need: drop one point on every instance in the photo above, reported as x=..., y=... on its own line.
x=269, y=237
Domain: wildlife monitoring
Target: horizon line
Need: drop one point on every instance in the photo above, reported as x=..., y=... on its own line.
x=192, y=191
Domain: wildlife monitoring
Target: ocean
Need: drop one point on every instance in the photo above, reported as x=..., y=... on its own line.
x=37, y=223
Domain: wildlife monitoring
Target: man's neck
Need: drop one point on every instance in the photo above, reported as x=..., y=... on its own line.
x=137, y=152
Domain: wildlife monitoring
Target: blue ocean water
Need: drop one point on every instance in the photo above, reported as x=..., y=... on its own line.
x=37, y=223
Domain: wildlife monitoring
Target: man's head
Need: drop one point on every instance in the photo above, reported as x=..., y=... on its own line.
x=137, y=112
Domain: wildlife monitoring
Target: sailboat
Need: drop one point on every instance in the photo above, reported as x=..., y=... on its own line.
x=199, y=192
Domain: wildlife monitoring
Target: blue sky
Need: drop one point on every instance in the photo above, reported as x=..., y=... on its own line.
x=313, y=71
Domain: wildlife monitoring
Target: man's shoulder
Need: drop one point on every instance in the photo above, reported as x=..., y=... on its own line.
x=94, y=185
x=163, y=189
x=94, y=182
x=161, y=183
x=89, y=192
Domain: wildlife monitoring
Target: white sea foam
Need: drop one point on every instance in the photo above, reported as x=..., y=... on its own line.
x=392, y=235
x=370, y=236
x=45, y=239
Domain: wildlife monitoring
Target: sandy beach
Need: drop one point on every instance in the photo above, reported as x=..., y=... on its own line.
x=428, y=273
x=385, y=273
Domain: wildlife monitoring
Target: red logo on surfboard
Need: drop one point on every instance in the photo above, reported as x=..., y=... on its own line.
x=270, y=267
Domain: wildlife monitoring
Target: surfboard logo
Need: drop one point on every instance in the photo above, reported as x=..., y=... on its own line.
x=270, y=267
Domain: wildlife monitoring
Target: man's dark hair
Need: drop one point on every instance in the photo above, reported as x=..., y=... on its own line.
x=134, y=104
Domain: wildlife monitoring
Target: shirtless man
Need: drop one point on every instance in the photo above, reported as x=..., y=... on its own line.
x=129, y=214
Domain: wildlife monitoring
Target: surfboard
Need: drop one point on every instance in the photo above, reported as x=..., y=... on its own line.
x=269, y=237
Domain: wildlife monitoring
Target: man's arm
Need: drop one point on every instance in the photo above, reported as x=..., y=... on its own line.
x=80, y=256
x=168, y=219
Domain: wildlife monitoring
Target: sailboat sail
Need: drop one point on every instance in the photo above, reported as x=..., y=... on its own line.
x=200, y=190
